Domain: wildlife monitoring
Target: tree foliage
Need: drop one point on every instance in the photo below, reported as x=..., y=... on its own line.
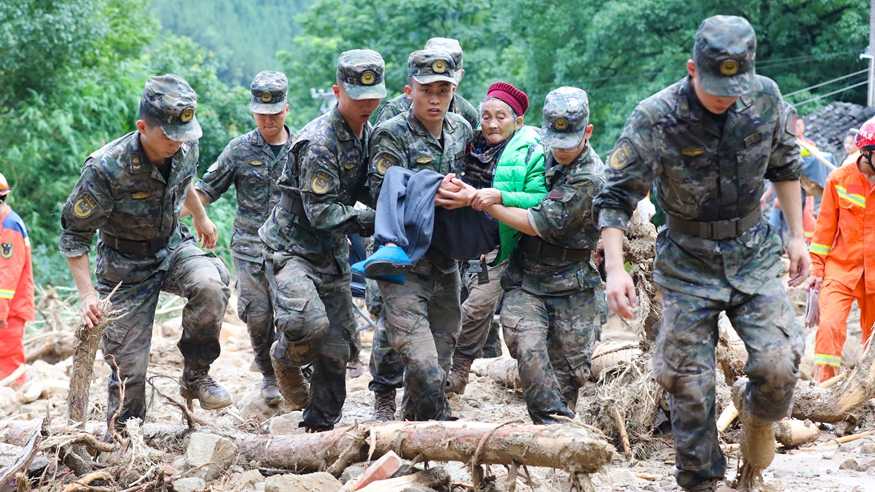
x=72, y=70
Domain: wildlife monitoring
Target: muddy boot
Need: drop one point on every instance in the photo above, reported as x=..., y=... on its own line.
x=384, y=406
x=706, y=486
x=269, y=391
x=458, y=375
x=196, y=384
x=757, y=440
x=292, y=385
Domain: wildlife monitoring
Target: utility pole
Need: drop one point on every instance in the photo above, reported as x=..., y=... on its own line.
x=870, y=54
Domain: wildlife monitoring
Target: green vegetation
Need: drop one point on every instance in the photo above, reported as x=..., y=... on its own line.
x=73, y=70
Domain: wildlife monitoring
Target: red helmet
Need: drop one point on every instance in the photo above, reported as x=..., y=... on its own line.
x=865, y=139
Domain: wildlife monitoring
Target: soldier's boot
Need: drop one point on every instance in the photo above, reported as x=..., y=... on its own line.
x=196, y=384
x=757, y=437
x=458, y=379
x=269, y=390
x=292, y=385
x=706, y=486
x=384, y=405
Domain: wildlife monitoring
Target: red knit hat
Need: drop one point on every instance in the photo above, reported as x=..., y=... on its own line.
x=515, y=98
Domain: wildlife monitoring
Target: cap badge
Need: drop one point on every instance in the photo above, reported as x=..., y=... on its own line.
x=266, y=97
x=560, y=124
x=439, y=66
x=729, y=67
x=368, y=78
x=186, y=115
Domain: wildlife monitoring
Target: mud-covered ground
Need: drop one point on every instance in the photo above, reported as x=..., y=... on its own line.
x=822, y=466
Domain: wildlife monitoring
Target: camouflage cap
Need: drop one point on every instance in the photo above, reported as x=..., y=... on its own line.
x=430, y=66
x=452, y=47
x=361, y=72
x=724, y=52
x=269, y=91
x=170, y=100
x=566, y=115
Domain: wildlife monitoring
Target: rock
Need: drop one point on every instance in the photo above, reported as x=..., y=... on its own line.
x=867, y=448
x=353, y=472
x=8, y=400
x=286, y=423
x=311, y=482
x=190, y=484
x=252, y=407
x=250, y=478
x=211, y=454
x=179, y=464
x=622, y=478
x=850, y=464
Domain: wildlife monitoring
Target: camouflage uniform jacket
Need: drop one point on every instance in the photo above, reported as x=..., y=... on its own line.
x=324, y=177
x=401, y=104
x=563, y=219
x=123, y=195
x=404, y=141
x=249, y=163
x=703, y=172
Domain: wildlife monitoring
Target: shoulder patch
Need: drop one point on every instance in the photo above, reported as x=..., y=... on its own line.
x=622, y=156
x=423, y=160
x=692, y=151
x=84, y=206
x=383, y=162
x=321, y=183
x=6, y=250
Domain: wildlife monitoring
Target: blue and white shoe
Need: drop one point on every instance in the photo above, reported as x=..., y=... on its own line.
x=387, y=260
x=395, y=278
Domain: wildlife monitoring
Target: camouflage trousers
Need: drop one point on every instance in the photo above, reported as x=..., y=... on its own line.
x=421, y=321
x=684, y=364
x=552, y=339
x=254, y=308
x=314, y=320
x=189, y=272
x=478, y=310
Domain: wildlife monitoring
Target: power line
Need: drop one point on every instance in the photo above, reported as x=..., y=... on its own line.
x=832, y=93
x=815, y=86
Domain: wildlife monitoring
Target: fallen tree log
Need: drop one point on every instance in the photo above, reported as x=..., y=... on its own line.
x=51, y=347
x=833, y=404
x=568, y=447
x=502, y=370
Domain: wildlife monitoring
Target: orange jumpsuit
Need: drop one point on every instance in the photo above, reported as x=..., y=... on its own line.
x=16, y=290
x=843, y=255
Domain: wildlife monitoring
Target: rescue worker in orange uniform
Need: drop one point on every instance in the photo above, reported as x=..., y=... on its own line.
x=16, y=285
x=843, y=253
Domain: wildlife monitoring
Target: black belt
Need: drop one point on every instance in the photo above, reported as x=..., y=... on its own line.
x=716, y=230
x=537, y=248
x=141, y=248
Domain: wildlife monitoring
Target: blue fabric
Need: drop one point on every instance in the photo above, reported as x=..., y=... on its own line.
x=405, y=210
x=13, y=222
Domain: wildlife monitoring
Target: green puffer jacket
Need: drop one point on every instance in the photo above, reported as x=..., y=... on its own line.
x=519, y=175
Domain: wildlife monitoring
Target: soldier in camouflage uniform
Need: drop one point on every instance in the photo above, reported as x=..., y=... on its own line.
x=550, y=315
x=422, y=316
x=459, y=104
x=708, y=142
x=132, y=190
x=253, y=163
x=306, y=247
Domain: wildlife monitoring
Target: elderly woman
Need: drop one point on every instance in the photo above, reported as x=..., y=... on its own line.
x=505, y=163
